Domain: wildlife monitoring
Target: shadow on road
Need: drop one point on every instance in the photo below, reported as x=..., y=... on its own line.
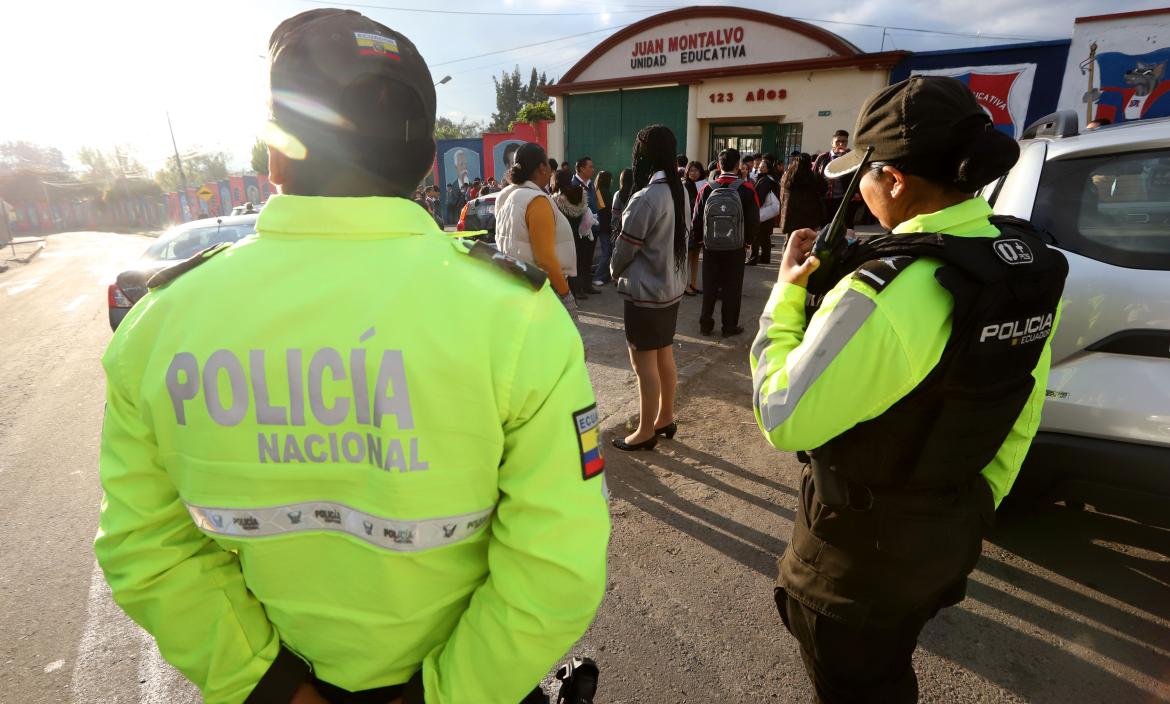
x=632, y=478
x=704, y=458
x=1101, y=590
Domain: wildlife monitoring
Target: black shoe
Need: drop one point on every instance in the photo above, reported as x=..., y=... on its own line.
x=707, y=332
x=667, y=430
x=752, y=261
x=732, y=331
x=590, y=289
x=580, y=295
x=766, y=258
x=621, y=444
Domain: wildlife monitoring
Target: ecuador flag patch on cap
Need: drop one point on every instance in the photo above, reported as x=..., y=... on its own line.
x=587, y=423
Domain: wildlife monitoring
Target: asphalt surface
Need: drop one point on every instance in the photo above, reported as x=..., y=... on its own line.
x=62, y=638
x=1065, y=606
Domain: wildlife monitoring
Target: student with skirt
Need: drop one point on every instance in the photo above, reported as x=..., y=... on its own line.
x=650, y=264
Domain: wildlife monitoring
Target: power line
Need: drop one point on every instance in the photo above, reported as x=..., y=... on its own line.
x=529, y=46
x=644, y=8
x=491, y=67
x=923, y=31
x=471, y=12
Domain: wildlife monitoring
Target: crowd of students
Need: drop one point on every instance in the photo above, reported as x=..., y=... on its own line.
x=569, y=220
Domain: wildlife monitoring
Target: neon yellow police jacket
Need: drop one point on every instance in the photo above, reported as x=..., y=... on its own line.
x=348, y=439
x=873, y=354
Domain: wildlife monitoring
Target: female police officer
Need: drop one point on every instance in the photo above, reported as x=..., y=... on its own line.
x=916, y=388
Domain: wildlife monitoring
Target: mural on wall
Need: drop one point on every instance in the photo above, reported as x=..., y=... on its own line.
x=1131, y=87
x=252, y=189
x=461, y=166
x=499, y=148
x=1119, y=67
x=458, y=161
x=503, y=156
x=1003, y=91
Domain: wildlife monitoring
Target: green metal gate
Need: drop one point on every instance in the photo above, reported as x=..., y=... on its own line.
x=603, y=125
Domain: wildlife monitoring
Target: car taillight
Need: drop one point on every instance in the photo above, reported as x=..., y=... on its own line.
x=118, y=299
x=462, y=218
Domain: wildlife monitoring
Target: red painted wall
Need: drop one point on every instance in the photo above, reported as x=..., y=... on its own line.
x=524, y=132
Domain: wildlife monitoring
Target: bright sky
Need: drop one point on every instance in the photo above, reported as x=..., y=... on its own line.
x=84, y=73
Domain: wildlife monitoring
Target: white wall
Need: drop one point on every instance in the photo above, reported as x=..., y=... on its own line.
x=556, y=130
x=841, y=92
x=759, y=44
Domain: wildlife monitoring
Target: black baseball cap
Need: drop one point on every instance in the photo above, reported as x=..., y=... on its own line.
x=920, y=116
x=321, y=60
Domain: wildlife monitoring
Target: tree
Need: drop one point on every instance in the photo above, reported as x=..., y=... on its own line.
x=534, y=112
x=129, y=188
x=21, y=155
x=199, y=168
x=446, y=128
x=102, y=168
x=260, y=157
x=512, y=94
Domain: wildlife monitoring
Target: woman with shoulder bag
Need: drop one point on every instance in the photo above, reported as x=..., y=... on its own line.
x=768, y=191
x=695, y=175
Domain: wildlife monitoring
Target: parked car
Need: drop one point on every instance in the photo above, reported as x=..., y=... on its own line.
x=1104, y=199
x=479, y=214
x=175, y=245
x=247, y=209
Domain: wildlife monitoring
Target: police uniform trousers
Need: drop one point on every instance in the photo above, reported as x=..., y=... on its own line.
x=898, y=568
x=854, y=665
x=722, y=280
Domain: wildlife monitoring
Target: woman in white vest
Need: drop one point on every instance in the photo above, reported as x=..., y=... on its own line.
x=531, y=227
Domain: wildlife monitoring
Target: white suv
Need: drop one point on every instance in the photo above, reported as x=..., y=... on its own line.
x=1104, y=198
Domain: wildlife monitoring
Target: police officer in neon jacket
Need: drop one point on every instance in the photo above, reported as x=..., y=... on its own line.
x=916, y=388
x=350, y=458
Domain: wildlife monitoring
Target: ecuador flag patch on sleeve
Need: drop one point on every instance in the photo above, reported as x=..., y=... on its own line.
x=587, y=423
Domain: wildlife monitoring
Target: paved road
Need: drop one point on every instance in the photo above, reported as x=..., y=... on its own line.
x=1066, y=606
x=62, y=638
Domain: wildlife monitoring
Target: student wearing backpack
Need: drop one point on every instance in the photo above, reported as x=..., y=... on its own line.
x=727, y=209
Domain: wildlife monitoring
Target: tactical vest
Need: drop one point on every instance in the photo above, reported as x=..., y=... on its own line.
x=914, y=519
x=944, y=432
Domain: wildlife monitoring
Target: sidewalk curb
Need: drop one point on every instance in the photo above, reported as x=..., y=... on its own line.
x=40, y=242
x=29, y=258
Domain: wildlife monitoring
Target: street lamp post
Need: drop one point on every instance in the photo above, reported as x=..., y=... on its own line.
x=443, y=80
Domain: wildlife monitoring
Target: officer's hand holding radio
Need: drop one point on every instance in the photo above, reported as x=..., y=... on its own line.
x=798, y=261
